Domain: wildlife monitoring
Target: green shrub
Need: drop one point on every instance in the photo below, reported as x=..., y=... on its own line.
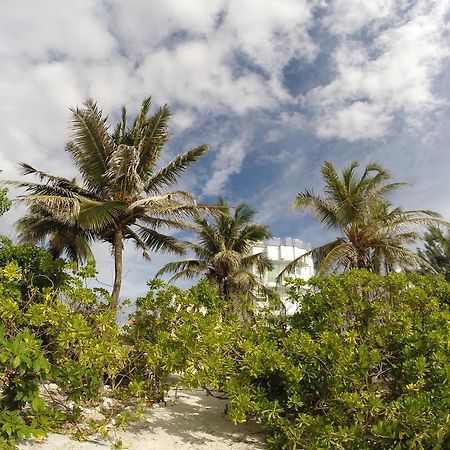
x=364, y=364
x=168, y=334
x=38, y=269
x=67, y=336
x=22, y=366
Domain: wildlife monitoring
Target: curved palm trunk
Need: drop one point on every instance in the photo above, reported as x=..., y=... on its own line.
x=118, y=252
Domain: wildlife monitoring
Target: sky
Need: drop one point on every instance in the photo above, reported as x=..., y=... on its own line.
x=274, y=87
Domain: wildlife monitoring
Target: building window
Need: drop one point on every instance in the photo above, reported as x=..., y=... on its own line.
x=272, y=275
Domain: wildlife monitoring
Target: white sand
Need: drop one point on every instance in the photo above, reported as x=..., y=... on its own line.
x=192, y=421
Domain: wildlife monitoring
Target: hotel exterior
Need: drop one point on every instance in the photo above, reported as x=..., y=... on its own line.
x=282, y=251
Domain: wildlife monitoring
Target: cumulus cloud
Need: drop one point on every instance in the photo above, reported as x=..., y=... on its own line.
x=51, y=29
x=348, y=17
x=391, y=76
x=228, y=162
x=221, y=66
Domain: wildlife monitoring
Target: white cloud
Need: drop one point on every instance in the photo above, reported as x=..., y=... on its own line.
x=360, y=120
x=393, y=75
x=220, y=65
x=144, y=25
x=347, y=17
x=227, y=162
x=271, y=33
x=194, y=74
x=51, y=29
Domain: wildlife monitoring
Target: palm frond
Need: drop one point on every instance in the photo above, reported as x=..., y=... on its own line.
x=154, y=137
x=188, y=268
x=342, y=255
x=259, y=260
x=321, y=207
x=169, y=174
x=317, y=254
x=95, y=215
x=91, y=144
x=159, y=242
x=164, y=201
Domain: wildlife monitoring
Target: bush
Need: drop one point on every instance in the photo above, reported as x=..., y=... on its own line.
x=38, y=269
x=364, y=364
x=67, y=336
x=22, y=366
x=171, y=332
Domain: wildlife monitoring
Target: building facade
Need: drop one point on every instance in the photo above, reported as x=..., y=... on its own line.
x=281, y=252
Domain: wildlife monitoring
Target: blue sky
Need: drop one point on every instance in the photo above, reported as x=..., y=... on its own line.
x=275, y=87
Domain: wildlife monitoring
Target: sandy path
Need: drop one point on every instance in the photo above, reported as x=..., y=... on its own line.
x=192, y=421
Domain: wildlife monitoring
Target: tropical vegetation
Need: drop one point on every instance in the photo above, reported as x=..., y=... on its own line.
x=373, y=234
x=124, y=195
x=363, y=363
x=223, y=252
x=436, y=251
x=62, y=239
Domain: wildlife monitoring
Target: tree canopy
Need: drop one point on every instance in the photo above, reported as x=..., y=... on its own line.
x=124, y=194
x=223, y=250
x=372, y=233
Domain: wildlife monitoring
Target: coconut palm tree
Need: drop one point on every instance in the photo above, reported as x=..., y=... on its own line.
x=373, y=234
x=223, y=251
x=436, y=251
x=60, y=238
x=124, y=194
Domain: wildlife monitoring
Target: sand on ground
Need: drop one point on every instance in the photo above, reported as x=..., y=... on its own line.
x=194, y=420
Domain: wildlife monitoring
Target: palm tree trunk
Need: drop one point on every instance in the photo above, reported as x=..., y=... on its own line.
x=118, y=251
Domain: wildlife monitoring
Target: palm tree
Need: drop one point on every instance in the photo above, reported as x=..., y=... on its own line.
x=223, y=251
x=373, y=234
x=60, y=238
x=124, y=195
x=436, y=251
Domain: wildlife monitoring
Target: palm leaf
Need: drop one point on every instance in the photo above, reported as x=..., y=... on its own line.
x=159, y=242
x=188, y=268
x=91, y=144
x=169, y=174
x=152, y=142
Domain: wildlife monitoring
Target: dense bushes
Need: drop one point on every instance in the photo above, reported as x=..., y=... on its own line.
x=173, y=331
x=65, y=336
x=364, y=364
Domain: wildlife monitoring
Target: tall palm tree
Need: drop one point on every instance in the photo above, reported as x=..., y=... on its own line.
x=373, y=234
x=223, y=251
x=124, y=194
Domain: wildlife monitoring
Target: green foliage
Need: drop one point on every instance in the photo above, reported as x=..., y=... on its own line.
x=5, y=203
x=363, y=365
x=436, y=251
x=373, y=234
x=38, y=269
x=223, y=254
x=22, y=366
x=67, y=336
x=169, y=332
x=124, y=193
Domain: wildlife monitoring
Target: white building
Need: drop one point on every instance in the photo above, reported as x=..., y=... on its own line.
x=282, y=251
